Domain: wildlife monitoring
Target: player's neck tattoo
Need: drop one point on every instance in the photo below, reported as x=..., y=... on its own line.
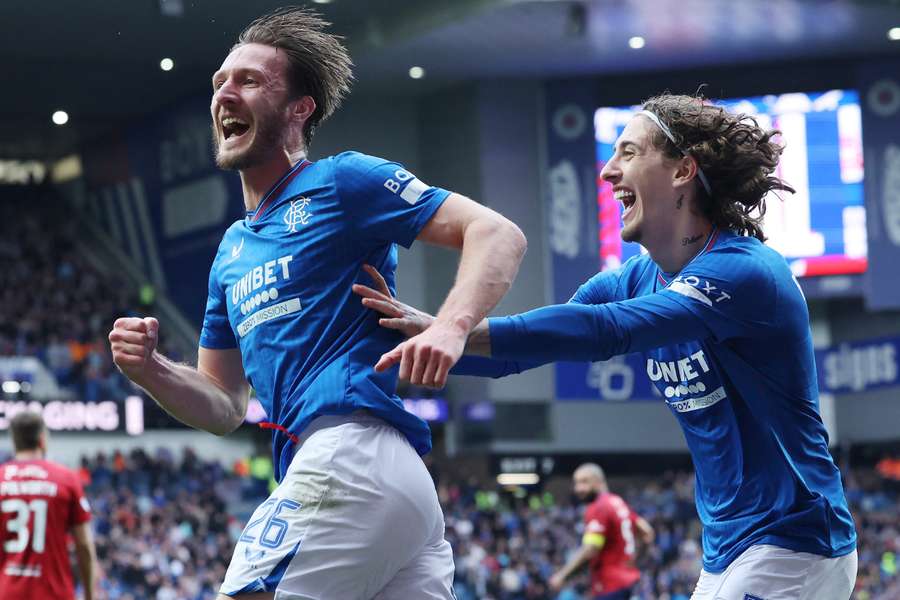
x=678, y=202
x=691, y=240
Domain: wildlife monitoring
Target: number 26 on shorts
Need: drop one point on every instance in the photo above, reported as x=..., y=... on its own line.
x=275, y=529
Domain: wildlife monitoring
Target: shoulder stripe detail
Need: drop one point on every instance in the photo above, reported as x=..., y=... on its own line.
x=414, y=190
x=690, y=291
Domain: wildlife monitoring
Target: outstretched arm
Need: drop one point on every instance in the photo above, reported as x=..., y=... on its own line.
x=580, y=332
x=562, y=332
x=492, y=248
x=411, y=321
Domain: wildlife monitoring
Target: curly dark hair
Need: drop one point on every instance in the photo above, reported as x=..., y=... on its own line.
x=737, y=156
x=319, y=63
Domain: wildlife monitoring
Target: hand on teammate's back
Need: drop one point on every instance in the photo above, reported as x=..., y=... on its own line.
x=433, y=347
x=133, y=341
x=404, y=318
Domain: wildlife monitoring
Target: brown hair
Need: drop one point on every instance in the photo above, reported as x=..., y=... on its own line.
x=26, y=429
x=319, y=64
x=737, y=156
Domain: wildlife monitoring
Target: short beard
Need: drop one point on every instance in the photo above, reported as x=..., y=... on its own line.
x=589, y=497
x=269, y=137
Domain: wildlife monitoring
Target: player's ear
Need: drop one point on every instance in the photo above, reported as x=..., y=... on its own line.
x=686, y=171
x=302, y=109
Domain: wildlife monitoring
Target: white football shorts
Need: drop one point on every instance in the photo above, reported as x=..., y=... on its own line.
x=768, y=572
x=356, y=517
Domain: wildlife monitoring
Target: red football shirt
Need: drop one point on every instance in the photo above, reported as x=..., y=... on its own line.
x=40, y=502
x=613, y=568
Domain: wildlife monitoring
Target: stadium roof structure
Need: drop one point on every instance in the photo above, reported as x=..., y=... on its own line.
x=100, y=60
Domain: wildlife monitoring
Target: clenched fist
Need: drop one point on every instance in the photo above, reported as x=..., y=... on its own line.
x=133, y=342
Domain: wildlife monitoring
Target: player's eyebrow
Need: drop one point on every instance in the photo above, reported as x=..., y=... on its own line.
x=622, y=144
x=240, y=70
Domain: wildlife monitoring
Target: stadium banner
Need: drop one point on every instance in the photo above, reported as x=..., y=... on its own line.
x=859, y=366
x=74, y=415
x=570, y=206
x=880, y=92
x=571, y=186
x=156, y=190
x=617, y=379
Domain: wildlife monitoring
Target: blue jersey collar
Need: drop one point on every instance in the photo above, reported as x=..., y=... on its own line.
x=665, y=278
x=253, y=216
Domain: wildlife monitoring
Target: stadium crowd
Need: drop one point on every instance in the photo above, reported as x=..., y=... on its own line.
x=56, y=305
x=163, y=532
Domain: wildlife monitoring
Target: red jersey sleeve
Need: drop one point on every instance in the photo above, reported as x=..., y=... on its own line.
x=80, y=511
x=596, y=522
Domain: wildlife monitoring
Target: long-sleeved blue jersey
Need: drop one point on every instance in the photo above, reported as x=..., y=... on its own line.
x=727, y=342
x=280, y=290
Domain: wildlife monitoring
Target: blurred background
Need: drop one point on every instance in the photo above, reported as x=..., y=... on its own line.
x=110, y=205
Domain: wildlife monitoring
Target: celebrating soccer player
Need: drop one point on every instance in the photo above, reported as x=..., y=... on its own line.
x=356, y=514
x=724, y=330
x=41, y=505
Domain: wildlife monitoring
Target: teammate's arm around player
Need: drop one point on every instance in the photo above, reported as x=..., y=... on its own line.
x=212, y=397
x=492, y=248
x=86, y=557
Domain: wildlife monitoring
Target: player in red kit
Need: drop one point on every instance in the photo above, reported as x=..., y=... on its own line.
x=41, y=503
x=608, y=544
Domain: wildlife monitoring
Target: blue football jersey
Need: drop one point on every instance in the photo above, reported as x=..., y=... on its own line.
x=727, y=343
x=280, y=291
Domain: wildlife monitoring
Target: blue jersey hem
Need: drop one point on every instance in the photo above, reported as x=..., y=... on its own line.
x=721, y=564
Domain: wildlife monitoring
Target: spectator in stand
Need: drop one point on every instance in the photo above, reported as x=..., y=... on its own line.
x=162, y=531
x=56, y=304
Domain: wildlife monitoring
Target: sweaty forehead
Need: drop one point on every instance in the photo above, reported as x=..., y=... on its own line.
x=256, y=56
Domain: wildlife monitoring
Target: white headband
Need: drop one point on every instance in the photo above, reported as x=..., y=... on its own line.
x=665, y=130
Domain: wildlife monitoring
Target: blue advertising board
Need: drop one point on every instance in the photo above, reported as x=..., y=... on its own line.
x=880, y=90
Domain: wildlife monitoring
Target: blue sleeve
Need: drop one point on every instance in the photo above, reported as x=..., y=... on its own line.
x=216, y=333
x=599, y=289
x=385, y=202
x=700, y=304
x=481, y=366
